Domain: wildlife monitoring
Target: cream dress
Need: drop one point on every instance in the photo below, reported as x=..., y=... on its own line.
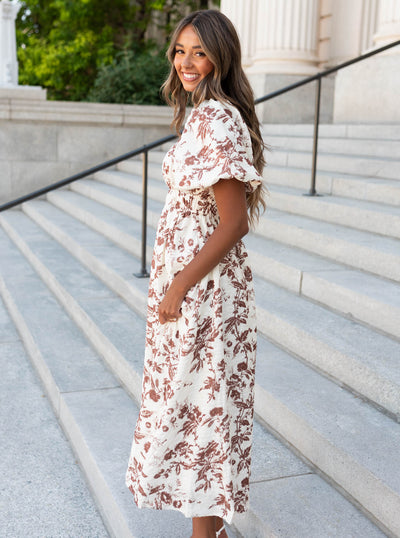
x=192, y=442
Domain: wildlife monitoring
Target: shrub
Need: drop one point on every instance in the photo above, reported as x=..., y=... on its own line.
x=133, y=77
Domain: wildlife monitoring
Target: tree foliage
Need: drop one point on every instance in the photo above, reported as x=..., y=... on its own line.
x=96, y=49
x=134, y=77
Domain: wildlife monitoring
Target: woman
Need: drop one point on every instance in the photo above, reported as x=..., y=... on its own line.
x=191, y=448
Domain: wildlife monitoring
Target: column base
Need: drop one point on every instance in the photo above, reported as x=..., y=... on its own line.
x=23, y=92
x=296, y=106
x=368, y=92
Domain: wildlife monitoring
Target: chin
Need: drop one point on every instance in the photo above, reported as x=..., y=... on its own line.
x=189, y=87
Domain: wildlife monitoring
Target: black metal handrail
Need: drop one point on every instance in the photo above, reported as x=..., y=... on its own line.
x=147, y=147
x=89, y=171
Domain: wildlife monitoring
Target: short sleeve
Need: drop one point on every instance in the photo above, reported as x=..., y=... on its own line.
x=215, y=145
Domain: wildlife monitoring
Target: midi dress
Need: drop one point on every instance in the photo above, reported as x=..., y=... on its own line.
x=191, y=449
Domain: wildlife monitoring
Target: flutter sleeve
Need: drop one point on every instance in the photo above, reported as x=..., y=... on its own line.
x=216, y=145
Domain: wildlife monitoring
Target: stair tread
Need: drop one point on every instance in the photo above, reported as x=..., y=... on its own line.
x=374, y=207
x=155, y=157
x=360, y=430
x=387, y=203
x=338, y=157
x=112, y=408
x=327, y=130
x=348, y=423
x=70, y=372
x=373, y=286
x=335, y=231
x=56, y=483
x=376, y=242
x=108, y=414
x=345, y=335
x=282, y=303
x=276, y=504
x=333, y=145
x=341, y=333
x=360, y=237
x=106, y=420
x=130, y=195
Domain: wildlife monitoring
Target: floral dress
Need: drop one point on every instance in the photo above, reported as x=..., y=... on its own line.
x=192, y=442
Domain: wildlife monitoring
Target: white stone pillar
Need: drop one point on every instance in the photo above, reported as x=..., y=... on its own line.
x=243, y=15
x=8, y=46
x=286, y=37
x=353, y=25
x=369, y=24
x=369, y=91
x=389, y=23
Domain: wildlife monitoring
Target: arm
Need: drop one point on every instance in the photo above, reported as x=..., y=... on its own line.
x=230, y=196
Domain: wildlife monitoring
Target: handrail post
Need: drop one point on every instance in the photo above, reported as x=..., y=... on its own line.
x=315, y=140
x=143, y=271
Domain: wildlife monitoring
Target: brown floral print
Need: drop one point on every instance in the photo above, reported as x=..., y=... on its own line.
x=192, y=442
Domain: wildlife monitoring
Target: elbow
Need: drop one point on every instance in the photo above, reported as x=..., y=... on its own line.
x=235, y=230
x=244, y=228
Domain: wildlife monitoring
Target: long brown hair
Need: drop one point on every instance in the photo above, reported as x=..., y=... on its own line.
x=227, y=82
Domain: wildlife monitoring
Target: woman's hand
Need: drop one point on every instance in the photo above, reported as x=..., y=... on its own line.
x=170, y=307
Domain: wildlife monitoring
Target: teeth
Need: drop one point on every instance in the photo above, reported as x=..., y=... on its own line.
x=190, y=76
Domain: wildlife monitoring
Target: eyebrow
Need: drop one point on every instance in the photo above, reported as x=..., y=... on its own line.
x=195, y=47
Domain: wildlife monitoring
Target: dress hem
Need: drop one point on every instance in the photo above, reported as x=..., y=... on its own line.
x=188, y=513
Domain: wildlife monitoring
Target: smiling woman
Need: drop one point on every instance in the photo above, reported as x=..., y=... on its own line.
x=192, y=442
x=191, y=62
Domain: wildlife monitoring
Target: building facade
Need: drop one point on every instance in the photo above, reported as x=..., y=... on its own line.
x=285, y=40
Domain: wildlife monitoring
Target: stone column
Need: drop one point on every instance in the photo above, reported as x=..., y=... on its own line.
x=286, y=37
x=369, y=24
x=368, y=92
x=243, y=15
x=389, y=23
x=280, y=39
x=8, y=47
x=353, y=25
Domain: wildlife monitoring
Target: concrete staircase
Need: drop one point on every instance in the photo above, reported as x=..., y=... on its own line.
x=326, y=454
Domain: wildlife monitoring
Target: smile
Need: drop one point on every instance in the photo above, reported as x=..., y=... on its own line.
x=190, y=76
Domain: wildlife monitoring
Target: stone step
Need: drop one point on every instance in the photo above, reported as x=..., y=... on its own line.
x=348, y=146
x=357, y=295
x=346, y=131
x=344, y=164
x=348, y=448
x=132, y=166
x=361, y=215
x=359, y=187
x=53, y=498
x=355, y=248
x=359, y=249
x=347, y=353
x=376, y=190
x=95, y=413
x=99, y=421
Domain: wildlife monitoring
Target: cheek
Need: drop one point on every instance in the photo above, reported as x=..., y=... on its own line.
x=208, y=67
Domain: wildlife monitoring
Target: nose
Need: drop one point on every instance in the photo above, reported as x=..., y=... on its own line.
x=186, y=62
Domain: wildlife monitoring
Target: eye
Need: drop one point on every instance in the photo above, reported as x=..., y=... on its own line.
x=178, y=51
x=202, y=54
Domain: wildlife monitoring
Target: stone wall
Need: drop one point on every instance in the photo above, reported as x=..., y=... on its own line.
x=44, y=141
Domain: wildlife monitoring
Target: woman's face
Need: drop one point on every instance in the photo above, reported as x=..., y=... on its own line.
x=190, y=61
